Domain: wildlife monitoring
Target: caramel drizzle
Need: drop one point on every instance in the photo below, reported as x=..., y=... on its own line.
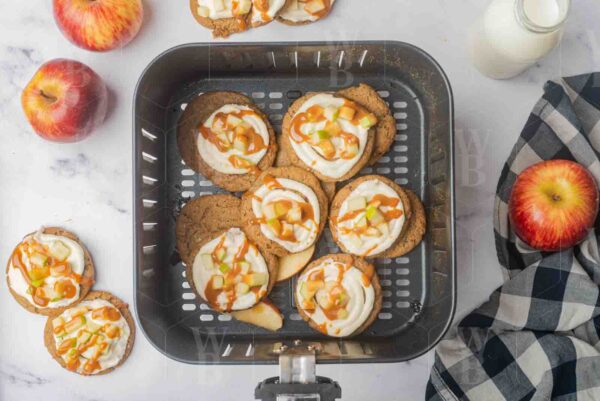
x=315, y=114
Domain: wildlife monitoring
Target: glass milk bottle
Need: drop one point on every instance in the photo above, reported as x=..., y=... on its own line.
x=513, y=34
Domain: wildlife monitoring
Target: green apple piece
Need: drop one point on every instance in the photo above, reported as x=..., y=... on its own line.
x=269, y=211
x=361, y=222
x=207, y=261
x=346, y=113
x=281, y=208
x=357, y=203
x=323, y=300
x=368, y=121
x=59, y=251
x=38, y=259
x=306, y=292
x=374, y=215
x=37, y=283
x=287, y=230
x=351, y=150
x=217, y=282
x=224, y=140
x=93, y=327
x=224, y=268
x=372, y=232
x=331, y=113
x=244, y=267
x=240, y=143
x=314, y=6
x=256, y=279
x=233, y=121
x=203, y=11
x=84, y=337
x=342, y=314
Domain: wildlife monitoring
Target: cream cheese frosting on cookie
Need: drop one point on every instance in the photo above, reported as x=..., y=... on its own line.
x=370, y=219
x=306, y=10
x=288, y=212
x=220, y=9
x=47, y=270
x=337, y=297
x=233, y=139
x=329, y=134
x=91, y=337
x=265, y=10
x=230, y=273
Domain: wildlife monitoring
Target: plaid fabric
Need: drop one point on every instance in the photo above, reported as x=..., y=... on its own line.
x=538, y=336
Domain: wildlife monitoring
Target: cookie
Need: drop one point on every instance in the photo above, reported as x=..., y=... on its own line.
x=339, y=262
x=294, y=159
x=203, y=215
x=299, y=180
x=385, y=130
x=85, y=284
x=409, y=234
x=188, y=135
x=272, y=264
x=122, y=307
x=295, y=14
x=221, y=28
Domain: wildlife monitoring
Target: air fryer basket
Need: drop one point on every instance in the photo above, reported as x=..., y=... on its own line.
x=418, y=289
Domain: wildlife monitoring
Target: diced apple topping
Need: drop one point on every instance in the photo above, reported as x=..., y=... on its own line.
x=294, y=215
x=38, y=259
x=220, y=253
x=244, y=267
x=357, y=203
x=224, y=268
x=243, y=7
x=281, y=208
x=327, y=148
x=79, y=310
x=92, y=326
x=233, y=121
x=331, y=113
x=354, y=240
x=224, y=140
x=207, y=261
x=351, y=151
x=306, y=291
x=219, y=5
x=59, y=251
x=256, y=279
x=374, y=216
x=314, y=6
x=203, y=11
x=368, y=121
x=240, y=143
x=242, y=288
x=347, y=113
x=323, y=299
x=287, y=230
x=275, y=226
x=342, y=314
x=218, y=282
x=384, y=229
x=58, y=324
x=111, y=330
x=269, y=211
x=361, y=222
x=372, y=232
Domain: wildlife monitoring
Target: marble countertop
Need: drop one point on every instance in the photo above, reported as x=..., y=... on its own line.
x=86, y=187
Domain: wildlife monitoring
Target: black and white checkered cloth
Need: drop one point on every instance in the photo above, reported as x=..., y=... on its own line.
x=538, y=336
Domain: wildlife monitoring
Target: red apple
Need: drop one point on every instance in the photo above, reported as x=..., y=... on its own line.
x=65, y=100
x=99, y=25
x=553, y=204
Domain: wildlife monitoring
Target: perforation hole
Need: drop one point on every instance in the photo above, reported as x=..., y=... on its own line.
x=275, y=95
x=188, y=194
x=385, y=316
x=188, y=307
x=207, y=318
x=400, y=116
x=188, y=295
x=402, y=304
x=276, y=106
x=187, y=172
x=258, y=95
x=400, y=105
x=187, y=183
x=402, y=293
x=384, y=94
x=400, y=170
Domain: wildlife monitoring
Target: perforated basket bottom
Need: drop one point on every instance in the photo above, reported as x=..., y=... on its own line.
x=402, y=279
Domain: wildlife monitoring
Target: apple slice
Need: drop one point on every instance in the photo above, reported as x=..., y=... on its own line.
x=243, y=7
x=275, y=226
x=368, y=121
x=294, y=215
x=291, y=264
x=281, y=208
x=327, y=149
x=269, y=211
x=264, y=314
x=374, y=216
x=331, y=113
x=240, y=143
x=219, y=5
x=314, y=6
x=203, y=11
x=233, y=121
x=256, y=279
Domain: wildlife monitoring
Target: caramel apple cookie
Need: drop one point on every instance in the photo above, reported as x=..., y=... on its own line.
x=339, y=295
x=222, y=17
x=92, y=338
x=285, y=210
x=226, y=138
x=328, y=135
x=49, y=270
x=230, y=272
x=265, y=11
x=385, y=130
x=302, y=12
x=373, y=216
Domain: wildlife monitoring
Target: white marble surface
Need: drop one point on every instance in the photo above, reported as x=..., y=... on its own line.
x=86, y=187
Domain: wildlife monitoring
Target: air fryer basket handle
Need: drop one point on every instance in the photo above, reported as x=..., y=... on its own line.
x=297, y=380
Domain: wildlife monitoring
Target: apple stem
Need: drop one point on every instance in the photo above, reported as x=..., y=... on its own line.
x=48, y=97
x=555, y=198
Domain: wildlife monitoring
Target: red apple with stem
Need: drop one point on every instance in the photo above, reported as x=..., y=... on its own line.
x=65, y=101
x=553, y=204
x=99, y=25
